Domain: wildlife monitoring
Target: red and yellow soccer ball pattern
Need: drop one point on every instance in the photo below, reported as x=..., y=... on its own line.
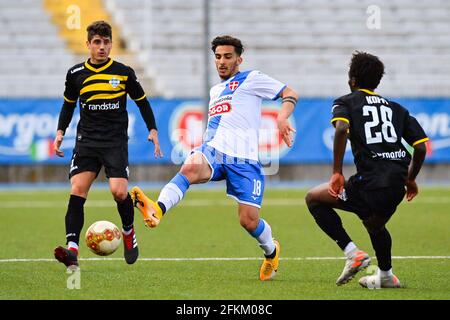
x=103, y=238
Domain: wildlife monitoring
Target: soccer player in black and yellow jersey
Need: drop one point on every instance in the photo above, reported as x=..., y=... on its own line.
x=101, y=86
x=375, y=127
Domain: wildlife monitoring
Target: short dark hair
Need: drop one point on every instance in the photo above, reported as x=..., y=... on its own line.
x=366, y=69
x=101, y=28
x=227, y=41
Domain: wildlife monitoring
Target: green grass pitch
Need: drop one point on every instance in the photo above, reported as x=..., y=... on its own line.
x=205, y=226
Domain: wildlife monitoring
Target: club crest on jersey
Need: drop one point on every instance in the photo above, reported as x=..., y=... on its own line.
x=219, y=109
x=233, y=85
x=114, y=82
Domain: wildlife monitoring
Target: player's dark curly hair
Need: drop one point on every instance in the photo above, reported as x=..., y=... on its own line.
x=101, y=28
x=227, y=41
x=366, y=69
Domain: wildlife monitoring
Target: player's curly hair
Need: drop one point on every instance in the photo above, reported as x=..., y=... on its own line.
x=366, y=69
x=227, y=41
x=101, y=28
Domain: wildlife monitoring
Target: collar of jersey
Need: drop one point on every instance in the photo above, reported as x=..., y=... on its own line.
x=368, y=92
x=90, y=67
x=229, y=79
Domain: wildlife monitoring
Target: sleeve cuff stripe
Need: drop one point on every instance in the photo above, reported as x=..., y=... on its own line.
x=279, y=93
x=70, y=101
x=140, y=98
x=420, y=141
x=342, y=119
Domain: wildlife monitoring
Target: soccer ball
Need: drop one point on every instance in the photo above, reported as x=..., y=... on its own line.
x=103, y=238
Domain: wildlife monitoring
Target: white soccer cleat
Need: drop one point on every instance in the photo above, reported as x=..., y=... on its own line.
x=358, y=261
x=376, y=282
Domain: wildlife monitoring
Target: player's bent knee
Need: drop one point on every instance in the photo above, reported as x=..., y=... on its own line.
x=189, y=172
x=119, y=195
x=193, y=173
x=375, y=230
x=79, y=191
x=249, y=225
x=310, y=198
x=374, y=224
x=249, y=219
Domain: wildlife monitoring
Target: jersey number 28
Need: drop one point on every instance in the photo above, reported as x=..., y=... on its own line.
x=387, y=129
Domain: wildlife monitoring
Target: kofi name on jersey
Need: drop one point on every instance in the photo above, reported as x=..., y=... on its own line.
x=220, y=106
x=376, y=100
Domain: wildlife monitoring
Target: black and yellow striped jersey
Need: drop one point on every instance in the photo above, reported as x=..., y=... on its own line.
x=377, y=127
x=102, y=93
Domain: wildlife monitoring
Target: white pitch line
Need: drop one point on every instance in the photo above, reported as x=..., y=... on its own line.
x=111, y=203
x=188, y=203
x=221, y=259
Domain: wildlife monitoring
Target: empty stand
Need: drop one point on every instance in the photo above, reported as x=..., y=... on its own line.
x=33, y=59
x=304, y=43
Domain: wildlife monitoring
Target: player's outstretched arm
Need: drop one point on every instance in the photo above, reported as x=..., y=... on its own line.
x=150, y=122
x=65, y=116
x=136, y=92
x=289, y=100
x=57, y=143
x=336, y=185
x=419, y=154
x=153, y=137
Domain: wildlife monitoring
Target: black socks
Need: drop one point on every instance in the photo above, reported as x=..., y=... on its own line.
x=74, y=218
x=382, y=243
x=126, y=211
x=329, y=221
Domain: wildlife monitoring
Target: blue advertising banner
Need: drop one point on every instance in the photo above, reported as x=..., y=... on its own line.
x=27, y=129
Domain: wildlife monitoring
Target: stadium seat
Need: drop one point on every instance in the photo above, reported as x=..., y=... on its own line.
x=31, y=53
x=306, y=44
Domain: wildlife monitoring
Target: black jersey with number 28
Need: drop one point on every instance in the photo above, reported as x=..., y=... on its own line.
x=377, y=127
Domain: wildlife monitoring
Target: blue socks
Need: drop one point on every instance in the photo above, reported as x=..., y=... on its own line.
x=173, y=192
x=263, y=234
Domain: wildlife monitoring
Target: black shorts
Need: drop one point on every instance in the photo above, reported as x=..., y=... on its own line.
x=114, y=159
x=365, y=203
